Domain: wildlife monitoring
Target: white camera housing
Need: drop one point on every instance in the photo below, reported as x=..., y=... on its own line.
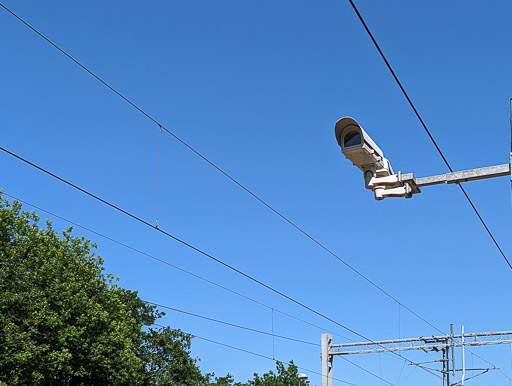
x=359, y=148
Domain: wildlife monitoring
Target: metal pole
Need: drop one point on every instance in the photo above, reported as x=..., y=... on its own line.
x=463, y=357
x=444, y=367
x=447, y=365
x=326, y=360
x=453, y=349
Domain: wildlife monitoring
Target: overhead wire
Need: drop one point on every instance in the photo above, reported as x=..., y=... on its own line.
x=219, y=169
x=189, y=273
x=230, y=324
x=238, y=183
x=367, y=371
x=200, y=251
x=190, y=313
x=156, y=176
x=160, y=260
x=277, y=360
x=422, y=122
x=229, y=176
x=197, y=276
x=266, y=357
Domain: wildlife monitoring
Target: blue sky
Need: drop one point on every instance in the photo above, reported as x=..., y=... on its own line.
x=257, y=87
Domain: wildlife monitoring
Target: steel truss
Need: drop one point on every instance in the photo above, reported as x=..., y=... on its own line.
x=445, y=344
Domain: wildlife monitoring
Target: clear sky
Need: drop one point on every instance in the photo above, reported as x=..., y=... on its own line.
x=257, y=87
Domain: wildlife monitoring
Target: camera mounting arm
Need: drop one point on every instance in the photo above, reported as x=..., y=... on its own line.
x=357, y=146
x=408, y=185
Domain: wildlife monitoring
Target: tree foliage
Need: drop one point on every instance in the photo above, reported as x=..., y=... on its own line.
x=64, y=321
x=285, y=376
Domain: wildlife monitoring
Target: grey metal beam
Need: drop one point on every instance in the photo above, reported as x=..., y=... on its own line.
x=434, y=343
x=462, y=176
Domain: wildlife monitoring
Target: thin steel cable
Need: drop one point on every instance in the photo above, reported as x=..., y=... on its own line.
x=273, y=343
x=238, y=183
x=277, y=360
x=269, y=358
x=426, y=128
x=406, y=95
x=490, y=364
x=171, y=265
x=213, y=165
x=231, y=324
x=190, y=273
x=156, y=176
x=200, y=251
x=263, y=356
x=366, y=371
x=232, y=179
x=401, y=371
x=176, y=267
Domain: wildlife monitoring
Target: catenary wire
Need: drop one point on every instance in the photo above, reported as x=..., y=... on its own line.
x=254, y=195
x=227, y=175
x=230, y=324
x=276, y=360
x=197, y=276
x=170, y=265
x=200, y=251
x=156, y=175
x=365, y=370
x=422, y=122
x=180, y=269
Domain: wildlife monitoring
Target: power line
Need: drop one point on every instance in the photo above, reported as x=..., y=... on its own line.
x=276, y=360
x=261, y=356
x=227, y=175
x=366, y=371
x=422, y=122
x=230, y=324
x=162, y=127
x=199, y=277
x=160, y=260
x=196, y=249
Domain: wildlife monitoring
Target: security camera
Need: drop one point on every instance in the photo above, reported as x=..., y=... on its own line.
x=358, y=147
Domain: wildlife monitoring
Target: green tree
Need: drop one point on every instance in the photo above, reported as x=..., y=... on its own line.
x=166, y=353
x=64, y=321
x=285, y=376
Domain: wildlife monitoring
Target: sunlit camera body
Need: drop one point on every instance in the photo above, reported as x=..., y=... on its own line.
x=359, y=148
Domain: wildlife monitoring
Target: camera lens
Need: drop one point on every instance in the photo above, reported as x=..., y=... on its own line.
x=352, y=139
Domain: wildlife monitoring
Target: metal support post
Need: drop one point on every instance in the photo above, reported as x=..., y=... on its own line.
x=447, y=364
x=462, y=356
x=453, y=348
x=445, y=370
x=326, y=360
